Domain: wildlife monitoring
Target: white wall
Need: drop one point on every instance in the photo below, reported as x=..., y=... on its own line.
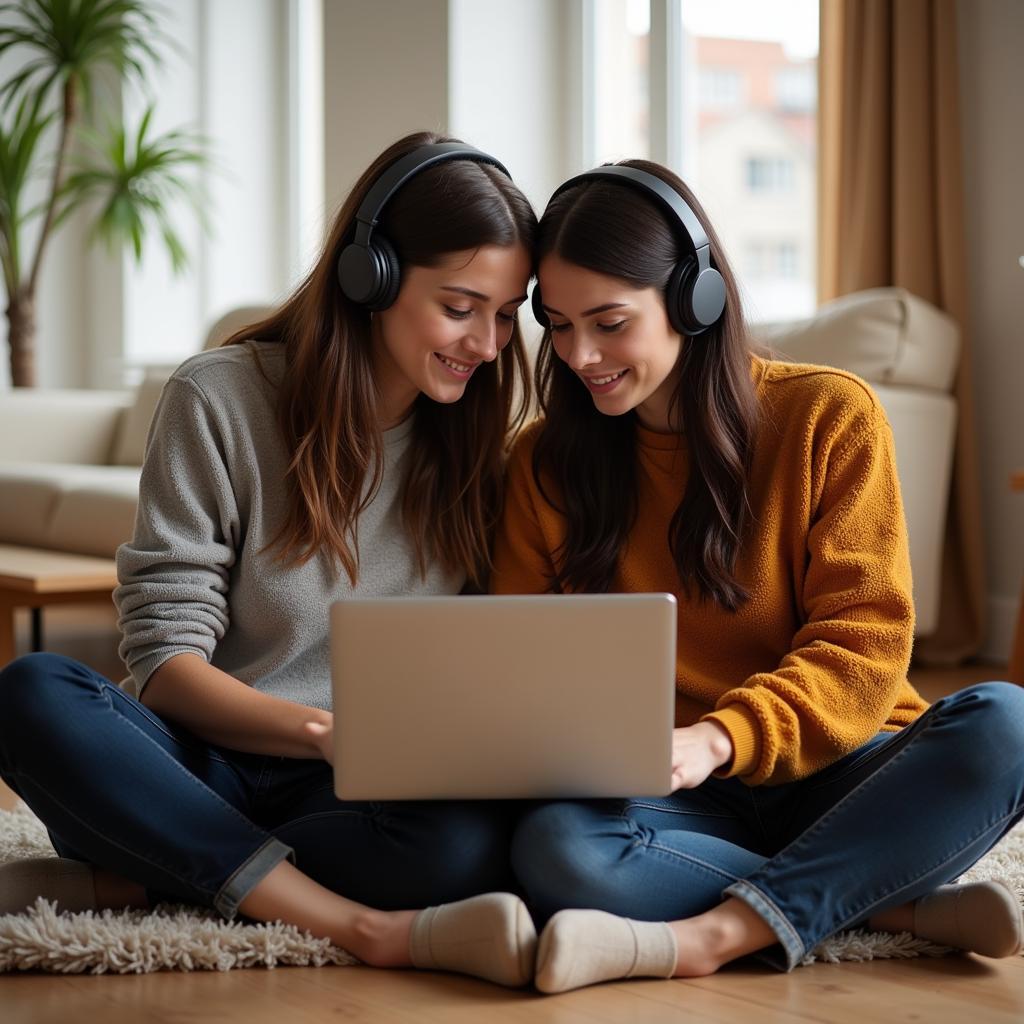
x=63, y=350
x=385, y=75
x=992, y=89
x=486, y=71
x=506, y=92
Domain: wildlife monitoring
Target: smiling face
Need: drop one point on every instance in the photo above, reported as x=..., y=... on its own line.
x=447, y=320
x=615, y=337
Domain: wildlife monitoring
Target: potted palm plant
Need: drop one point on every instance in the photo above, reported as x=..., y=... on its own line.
x=130, y=178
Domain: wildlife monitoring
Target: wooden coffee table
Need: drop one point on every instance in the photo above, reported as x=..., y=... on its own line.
x=34, y=578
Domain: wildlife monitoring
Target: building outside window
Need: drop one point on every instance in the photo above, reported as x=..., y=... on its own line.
x=720, y=89
x=770, y=174
x=769, y=260
x=796, y=88
x=730, y=103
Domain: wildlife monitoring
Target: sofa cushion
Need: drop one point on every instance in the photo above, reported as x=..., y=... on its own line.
x=129, y=448
x=86, y=509
x=130, y=443
x=59, y=425
x=885, y=335
x=30, y=495
x=95, y=518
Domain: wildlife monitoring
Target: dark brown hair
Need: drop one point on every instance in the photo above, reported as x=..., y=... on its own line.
x=328, y=405
x=615, y=229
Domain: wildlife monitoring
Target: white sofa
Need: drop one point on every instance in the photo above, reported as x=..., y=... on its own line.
x=69, y=469
x=69, y=460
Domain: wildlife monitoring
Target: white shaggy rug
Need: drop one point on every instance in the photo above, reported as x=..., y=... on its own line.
x=176, y=938
x=167, y=938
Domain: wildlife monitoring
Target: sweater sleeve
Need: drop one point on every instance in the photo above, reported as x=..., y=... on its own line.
x=836, y=686
x=174, y=574
x=522, y=563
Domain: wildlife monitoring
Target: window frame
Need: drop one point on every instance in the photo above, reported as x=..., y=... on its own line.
x=673, y=91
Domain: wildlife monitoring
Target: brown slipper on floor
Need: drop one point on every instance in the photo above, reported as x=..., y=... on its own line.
x=67, y=882
x=978, y=917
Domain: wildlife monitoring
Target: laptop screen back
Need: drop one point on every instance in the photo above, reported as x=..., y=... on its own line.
x=484, y=697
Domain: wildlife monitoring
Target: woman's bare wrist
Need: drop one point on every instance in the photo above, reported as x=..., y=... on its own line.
x=719, y=742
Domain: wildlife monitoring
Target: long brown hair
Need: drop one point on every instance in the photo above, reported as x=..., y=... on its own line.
x=616, y=230
x=328, y=403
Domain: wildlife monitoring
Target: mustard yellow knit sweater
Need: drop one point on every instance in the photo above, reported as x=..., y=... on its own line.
x=815, y=663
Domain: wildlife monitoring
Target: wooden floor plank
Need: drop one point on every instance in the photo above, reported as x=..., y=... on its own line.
x=951, y=990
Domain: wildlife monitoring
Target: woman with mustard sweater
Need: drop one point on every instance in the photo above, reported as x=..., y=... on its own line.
x=814, y=789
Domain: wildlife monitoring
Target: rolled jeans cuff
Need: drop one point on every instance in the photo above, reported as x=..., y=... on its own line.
x=793, y=947
x=249, y=874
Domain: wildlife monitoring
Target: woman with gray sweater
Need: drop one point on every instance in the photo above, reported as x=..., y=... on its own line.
x=350, y=444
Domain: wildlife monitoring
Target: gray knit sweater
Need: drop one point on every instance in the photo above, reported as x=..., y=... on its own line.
x=195, y=577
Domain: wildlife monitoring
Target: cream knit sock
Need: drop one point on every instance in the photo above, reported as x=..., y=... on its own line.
x=489, y=936
x=582, y=947
x=980, y=917
x=68, y=882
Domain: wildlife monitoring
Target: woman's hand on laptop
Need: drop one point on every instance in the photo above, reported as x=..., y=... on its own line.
x=697, y=750
x=321, y=735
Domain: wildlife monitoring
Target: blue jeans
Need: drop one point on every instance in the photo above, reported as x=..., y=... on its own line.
x=119, y=787
x=884, y=825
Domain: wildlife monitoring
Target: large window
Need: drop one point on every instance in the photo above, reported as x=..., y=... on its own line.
x=621, y=83
x=724, y=93
x=251, y=78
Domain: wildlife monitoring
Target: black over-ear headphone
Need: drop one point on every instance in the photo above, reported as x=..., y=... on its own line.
x=368, y=268
x=695, y=293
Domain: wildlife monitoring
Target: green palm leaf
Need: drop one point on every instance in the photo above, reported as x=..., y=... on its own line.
x=136, y=178
x=70, y=40
x=62, y=48
x=18, y=145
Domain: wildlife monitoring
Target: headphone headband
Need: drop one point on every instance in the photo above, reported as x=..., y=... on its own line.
x=397, y=174
x=695, y=293
x=652, y=186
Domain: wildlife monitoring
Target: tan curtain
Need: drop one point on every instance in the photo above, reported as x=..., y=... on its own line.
x=891, y=212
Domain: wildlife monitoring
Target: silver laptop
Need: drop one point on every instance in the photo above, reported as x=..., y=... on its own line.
x=483, y=697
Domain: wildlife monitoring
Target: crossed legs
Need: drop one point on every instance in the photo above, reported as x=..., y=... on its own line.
x=162, y=815
x=819, y=856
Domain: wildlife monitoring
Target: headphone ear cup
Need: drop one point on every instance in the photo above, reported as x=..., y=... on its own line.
x=675, y=298
x=370, y=275
x=538, y=307
x=694, y=301
x=357, y=274
x=390, y=279
x=706, y=298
